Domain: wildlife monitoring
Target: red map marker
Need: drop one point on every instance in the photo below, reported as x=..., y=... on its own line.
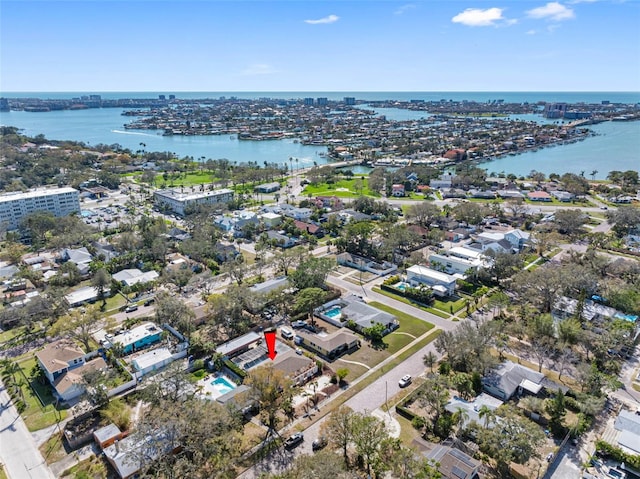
x=270, y=339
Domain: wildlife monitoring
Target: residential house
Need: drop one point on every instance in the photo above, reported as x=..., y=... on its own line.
x=267, y=187
x=135, y=339
x=296, y=367
x=350, y=308
x=453, y=193
x=225, y=252
x=239, y=345
x=270, y=220
x=510, y=194
x=177, y=234
x=59, y=357
x=453, y=264
x=453, y=463
x=592, y=311
x=539, y=196
x=80, y=257
x=563, y=196
x=331, y=202
x=281, y=240
x=64, y=364
x=397, y=190
x=628, y=423
x=465, y=253
x=129, y=277
x=509, y=379
x=71, y=385
x=332, y=345
x=87, y=294
x=152, y=361
x=126, y=456
x=442, y=284
x=309, y=228
x=445, y=181
x=302, y=214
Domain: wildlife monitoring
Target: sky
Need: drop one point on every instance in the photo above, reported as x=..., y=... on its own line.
x=312, y=45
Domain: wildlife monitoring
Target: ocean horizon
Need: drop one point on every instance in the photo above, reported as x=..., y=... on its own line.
x=629, y=97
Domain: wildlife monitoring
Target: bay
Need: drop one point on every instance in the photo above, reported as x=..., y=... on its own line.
x=615, y=147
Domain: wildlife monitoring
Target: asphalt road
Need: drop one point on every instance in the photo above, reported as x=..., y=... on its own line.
x=20, y=456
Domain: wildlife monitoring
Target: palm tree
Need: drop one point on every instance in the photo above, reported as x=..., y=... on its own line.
x=430, y=359
x=593, y=175
x=487, y=414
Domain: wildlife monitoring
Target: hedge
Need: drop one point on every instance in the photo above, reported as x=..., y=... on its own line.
x=618, y=454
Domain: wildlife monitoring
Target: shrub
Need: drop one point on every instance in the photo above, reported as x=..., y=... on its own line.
x=418, y=422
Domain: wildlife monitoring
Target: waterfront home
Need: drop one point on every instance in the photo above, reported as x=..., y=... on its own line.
x=442, y=284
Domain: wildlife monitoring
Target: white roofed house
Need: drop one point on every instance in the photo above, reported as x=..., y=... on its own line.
x=442, y=284
x=129, y=277
x=453, y=264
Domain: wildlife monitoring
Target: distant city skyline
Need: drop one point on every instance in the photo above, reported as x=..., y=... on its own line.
x=211, y=45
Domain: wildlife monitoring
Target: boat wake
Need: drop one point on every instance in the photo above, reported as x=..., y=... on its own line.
x=132, y=133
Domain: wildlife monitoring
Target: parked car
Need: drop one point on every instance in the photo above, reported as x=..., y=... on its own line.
x=298, y=324
x=149, y=301
x=319, y=443
x=294, y=440
x=404, y=381
x=131, y=308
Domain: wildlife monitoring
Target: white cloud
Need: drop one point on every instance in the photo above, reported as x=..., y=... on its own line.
x=531, y=32
x=259, y=69
x=573, y=2
x=327, y=19
x=404, y=9
x=552, y=11
x=476, y=17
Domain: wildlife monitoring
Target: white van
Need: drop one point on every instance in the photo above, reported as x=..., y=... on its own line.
x=286, y=334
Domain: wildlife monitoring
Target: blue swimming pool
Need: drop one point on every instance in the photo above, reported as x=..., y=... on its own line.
x=223, y=385
x=402, y=286
x=335, y=312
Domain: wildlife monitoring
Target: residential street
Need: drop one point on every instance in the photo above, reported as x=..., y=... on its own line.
x=18, y=451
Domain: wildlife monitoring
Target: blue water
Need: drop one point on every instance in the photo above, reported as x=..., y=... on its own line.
x=508, y=97
x=617, y=146
x=334, y=313
x=223, y=385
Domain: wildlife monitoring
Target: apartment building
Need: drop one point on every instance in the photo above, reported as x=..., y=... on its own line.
x=16, y=206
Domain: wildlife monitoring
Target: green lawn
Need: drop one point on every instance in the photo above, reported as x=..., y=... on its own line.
x=408, y=323
x=449, y=305
x=342, y=188
x=38, y=415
